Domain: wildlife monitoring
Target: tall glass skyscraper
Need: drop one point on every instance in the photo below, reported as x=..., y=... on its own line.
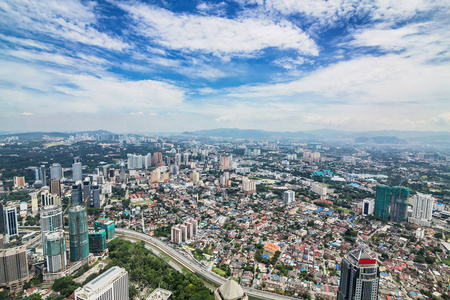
x=78, y=233
x=360, y=276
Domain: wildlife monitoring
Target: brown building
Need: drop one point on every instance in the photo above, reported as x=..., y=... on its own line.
x=157, y=160
x=55, y=187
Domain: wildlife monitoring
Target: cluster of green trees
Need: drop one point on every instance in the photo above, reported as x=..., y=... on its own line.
x=147, y=270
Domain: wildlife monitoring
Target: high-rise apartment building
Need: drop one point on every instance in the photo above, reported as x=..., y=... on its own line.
x=248, y=186
x=78, y=233
x=288, y=197
x=14, y=268
x=225, y=163
x=157, y=160
x=391, y=203
x=56, y=171
x=360, y=276
x=422, y=213
x=77, y=169
x=111, y=285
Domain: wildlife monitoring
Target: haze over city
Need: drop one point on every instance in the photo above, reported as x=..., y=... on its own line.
x=173, y=66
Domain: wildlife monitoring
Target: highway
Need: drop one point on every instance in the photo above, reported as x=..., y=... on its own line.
x=193, y=266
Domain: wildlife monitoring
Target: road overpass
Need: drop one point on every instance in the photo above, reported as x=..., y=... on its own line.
x=193, y=266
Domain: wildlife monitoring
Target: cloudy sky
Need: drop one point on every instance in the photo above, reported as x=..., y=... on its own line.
x=283, y=65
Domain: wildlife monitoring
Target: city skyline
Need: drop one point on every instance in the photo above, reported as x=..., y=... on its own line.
x=191, y=65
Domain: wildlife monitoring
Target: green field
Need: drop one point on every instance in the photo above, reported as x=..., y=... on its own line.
x=219, y=271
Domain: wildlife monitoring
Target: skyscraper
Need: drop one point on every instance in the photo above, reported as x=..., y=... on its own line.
x=77, y=194
x=55, y=251
x=2, y=220
x=43, y=175
x=391, y=203
x=10, y=221
x=78, y=233
x=55, y=187
x=111, y=285
x=56, y=171
x=360, y=276
x=77, y=169
x=87, y=191
x=422, y=212
x=51, y=220
x=95, y=198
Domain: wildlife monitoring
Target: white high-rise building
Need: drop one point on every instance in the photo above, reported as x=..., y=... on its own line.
x=422, y=209
x=368, y=206
x=289, y=197
x=111, y=285
x=49, y=199
x=77, y=169
x=148, y=161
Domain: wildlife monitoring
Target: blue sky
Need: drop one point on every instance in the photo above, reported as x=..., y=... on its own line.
x=282, y=65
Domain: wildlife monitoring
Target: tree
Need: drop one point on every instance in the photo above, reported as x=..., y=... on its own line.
x=438, y=235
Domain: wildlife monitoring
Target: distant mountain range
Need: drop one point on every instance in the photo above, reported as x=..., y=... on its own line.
x=39, y=135
x=391, y=137
x=376, y=137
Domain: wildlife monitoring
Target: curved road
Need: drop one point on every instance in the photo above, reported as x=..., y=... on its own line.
x=194, y=266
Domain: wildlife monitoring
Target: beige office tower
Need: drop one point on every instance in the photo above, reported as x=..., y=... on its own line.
x=34, y=203
x=55, y=187
x=14, y=268
x=225, y=163
x=111, y=285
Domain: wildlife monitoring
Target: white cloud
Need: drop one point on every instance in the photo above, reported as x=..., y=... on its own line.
x=65, y=19
x=369, y=79
x=219, y=36
x=44, y=90
x=425, y=41
x=27, y=114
